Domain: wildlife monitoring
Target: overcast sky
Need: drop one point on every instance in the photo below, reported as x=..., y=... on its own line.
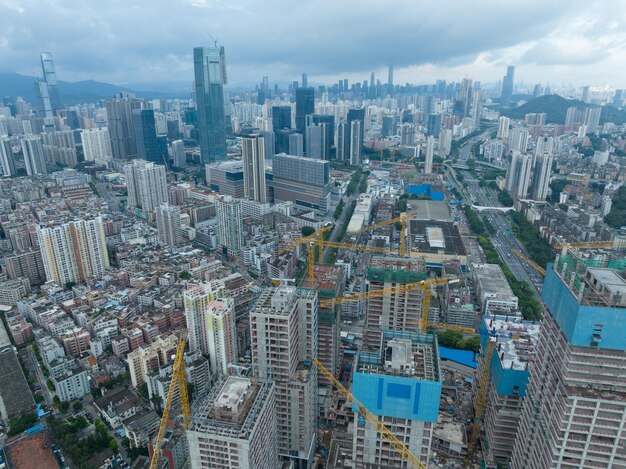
x=131, y=41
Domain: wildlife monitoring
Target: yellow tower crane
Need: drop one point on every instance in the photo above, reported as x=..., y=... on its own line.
x=532, y=263
x=178, y=381
x=297, y=242
x=393, y=440
x=402, y=219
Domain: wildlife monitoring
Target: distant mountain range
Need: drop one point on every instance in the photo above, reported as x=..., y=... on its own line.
x=88, y=91
x=555, y=107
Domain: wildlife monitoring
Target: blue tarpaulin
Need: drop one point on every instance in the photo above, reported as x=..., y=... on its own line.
x=464, y=357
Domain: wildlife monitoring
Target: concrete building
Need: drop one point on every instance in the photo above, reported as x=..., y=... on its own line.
x=303, y=181
x=71, y=384
x=253, y=155
x=7, y=159
x=96, y=144
x=147, y=186
x=235, y=426
x=34, y=158
x=493, y=290
x=519, y=174
x=120, y=125
x=283, y=332
x=574, y=413
x=148, y=358
x=226, y=178
x=211, y=323
x=11, y=291
x=541, y=175
x=168, y=225
x=503, y=128
x=430, y=153
x=229, y=225
x=510, y=369
x=401, y=385
x=74, y=251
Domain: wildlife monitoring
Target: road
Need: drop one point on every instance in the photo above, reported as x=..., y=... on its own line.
x=40, y=378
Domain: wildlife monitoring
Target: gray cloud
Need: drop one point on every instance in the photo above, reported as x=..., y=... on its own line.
x=144, y=41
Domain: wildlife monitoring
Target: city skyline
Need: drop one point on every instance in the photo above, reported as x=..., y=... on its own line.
x=580, y=44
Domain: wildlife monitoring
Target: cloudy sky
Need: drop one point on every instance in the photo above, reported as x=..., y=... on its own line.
x=146, y=41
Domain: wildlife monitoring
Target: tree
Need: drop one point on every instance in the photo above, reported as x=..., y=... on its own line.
x=307, y=231
x=184, y=275
x=113, y=444
x=77, y=405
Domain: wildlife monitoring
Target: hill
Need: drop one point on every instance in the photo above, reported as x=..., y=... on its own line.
x=555, y=107
x=14, y=85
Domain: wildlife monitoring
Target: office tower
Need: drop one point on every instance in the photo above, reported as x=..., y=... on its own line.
x=618, y=98
x=145, y=136
x=388, y=127
x=390, y=79
x=305, y=80
x=210, y=318
x=73, y=251
x=168, y=224
x=503, y=128
x=445, y=142
x=585, y=94
x=305, y=105
x=270, y=143
x=541, y=176
x=296, y=144
x=50, y=78
x=211, y=81
x=120, y=125
x=230, y=225
x=315, y=141
x=59, y=148
x=592, y=119
x=343, y=142
x=234, y=425
x=283, y=332
x=44, y=108
x=96, y=144
x=7, y=160
x=519, y=174
x=430, y=152
x=400, y=383
x=574, y=412
x=328, y=124
x=519, y=139
x=356, y=127
x=509, y=372
x=253, y=156
x=179, y=155
x=434, y=125
x=476, y=106
x=34, y=158
x=226, y=178
x=147, y=185
x=407, y=135
x=303, y=181
x=507, y=86
x=281, y=117
x=372, y=87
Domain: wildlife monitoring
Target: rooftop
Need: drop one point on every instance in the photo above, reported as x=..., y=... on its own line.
x=493, y=282
x=436, y=236
x=430, y=210
x=516, y=340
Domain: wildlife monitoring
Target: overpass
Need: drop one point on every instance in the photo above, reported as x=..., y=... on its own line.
x=481, y=208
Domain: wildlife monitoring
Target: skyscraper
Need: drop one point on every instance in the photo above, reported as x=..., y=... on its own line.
x=168, y=224
x=434, y=124
x=305, y=80
x=7, y=160
x=230, y=225
x=144, y=128
x=146, y=184
x=50, y=77
x=120, y=125
x=356, y=126
x=283, y=328
x=541, y=176
x=507, y=86
x=210, y=318
x=73, y=251
x=574, y=412
x=390, y=79
x=34, y=158
x=315, y=141
x=328, y=123
x=211, y=81
x=519, y=174
x=253, y=156
x=430, y=152
x=281, y=118
x=303, y=181
x=503, y=129
x=44, y=108
x=96, y=144
x=296, y=144
x=305, y=104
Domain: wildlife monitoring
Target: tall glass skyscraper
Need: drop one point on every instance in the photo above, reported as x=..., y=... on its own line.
x=145, y=136
x=305, y=104
x=50, y=77
x=210, y=75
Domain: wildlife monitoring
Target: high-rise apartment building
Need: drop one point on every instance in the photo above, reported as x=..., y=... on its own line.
x=305, y=105
x=179, y=155
x=400, y=383
x=168, y=224
x=541, y=176
x=507, y=85
x=430, y=153
x=59, y=148
x=433, y=126
x=211, y=80
x=120, y=125
x=96, y=144
x=283, y=331
x=229, y=225
x=73, y=251
x=211, y=324
x=519, y=174
x=356, y=127
x=503, y=128
x=574, y=412
x=327, y=140
x=253, y=156
x=147, y=185
x=519, y=139
x=34, y=158
x=144, y=128
x=148, y=358
x=7, y=160
x=234, y=425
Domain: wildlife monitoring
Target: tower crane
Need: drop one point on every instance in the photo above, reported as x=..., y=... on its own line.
x=532, y=263
x=297, y=242
x=371, y=418
x=402, y=219
x=178, y=381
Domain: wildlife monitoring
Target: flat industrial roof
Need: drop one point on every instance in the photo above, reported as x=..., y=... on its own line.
x=430, y=210
x=517, y=340
x=419, y=237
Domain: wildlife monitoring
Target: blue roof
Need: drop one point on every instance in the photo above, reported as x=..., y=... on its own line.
x=464, y=357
